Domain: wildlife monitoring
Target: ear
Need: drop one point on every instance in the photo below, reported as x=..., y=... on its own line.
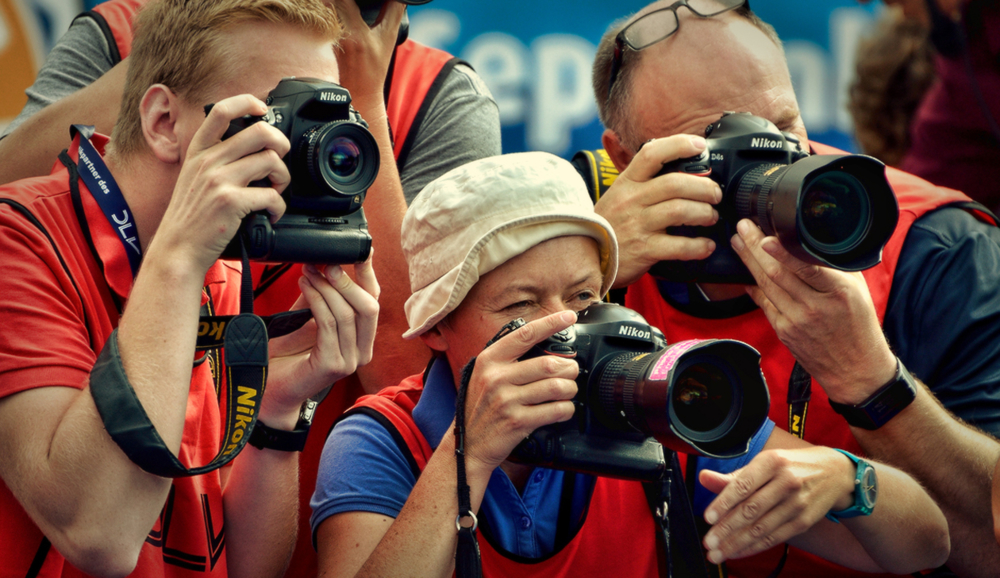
x=434, y=339
x=620, y=155
x=160, y=114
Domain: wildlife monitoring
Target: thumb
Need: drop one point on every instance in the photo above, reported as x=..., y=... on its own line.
x=714, y=481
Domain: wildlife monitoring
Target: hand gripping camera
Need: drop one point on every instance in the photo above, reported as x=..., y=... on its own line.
x=333, y=160
x=635, y=393
x=832, y=210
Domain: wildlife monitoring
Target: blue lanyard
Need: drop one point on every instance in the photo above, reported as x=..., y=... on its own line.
x=104, y=189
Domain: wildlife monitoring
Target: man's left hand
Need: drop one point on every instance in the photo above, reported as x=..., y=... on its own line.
x=332, y=345
x=825, y=317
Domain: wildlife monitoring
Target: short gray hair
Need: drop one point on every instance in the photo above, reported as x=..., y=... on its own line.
x=612, y=107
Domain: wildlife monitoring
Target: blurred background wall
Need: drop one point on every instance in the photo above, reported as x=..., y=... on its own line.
x=534, y=55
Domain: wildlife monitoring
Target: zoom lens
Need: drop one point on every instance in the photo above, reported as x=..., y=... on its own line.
x=700, y=396
x=835, y=212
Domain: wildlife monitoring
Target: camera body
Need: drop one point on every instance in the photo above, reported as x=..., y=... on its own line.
x=636, y=396
x=333, y=161
x=833, y=210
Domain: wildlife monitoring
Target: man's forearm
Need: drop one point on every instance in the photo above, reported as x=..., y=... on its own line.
x=955, y=463
x=31, y=149
x=261, y=512
x=395, y=358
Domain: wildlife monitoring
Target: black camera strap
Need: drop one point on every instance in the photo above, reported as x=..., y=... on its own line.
x=799, y=394
x=468, y=562
x=242, y=337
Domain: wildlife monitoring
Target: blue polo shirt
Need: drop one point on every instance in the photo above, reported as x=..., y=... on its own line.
x=363, y=469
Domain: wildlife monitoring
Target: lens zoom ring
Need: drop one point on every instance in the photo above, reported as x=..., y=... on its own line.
x=753, y=195
x=622, y=370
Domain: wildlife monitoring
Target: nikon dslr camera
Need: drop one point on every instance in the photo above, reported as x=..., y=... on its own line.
x=832, y=210
x=636, y=395
x=332, y=161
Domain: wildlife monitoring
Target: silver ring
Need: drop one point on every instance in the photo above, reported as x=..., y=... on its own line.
x=475, y=521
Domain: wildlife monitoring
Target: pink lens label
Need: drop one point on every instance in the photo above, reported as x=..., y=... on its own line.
x=667, y=361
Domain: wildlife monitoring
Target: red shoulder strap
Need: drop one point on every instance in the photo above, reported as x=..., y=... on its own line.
x=115, y=18
x=417, y=74
x=393, y=408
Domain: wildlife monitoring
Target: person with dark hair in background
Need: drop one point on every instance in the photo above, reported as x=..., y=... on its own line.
x=956, y=132
x=438, y=115
x=893, y=72
x=109, y=404
x=935, y=293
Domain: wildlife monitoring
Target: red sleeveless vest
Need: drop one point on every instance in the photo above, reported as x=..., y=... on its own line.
x=608, y=544
x=117, y=22
x=916, y=197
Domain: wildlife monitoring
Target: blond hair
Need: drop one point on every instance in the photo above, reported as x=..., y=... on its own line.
x=182, y=45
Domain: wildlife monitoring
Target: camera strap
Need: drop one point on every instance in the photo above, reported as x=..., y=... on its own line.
x=799, y=394
x=468, y=561
x=242, y=337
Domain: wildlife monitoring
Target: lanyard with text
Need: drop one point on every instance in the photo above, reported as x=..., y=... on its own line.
x=244, y=343
x=95, y=174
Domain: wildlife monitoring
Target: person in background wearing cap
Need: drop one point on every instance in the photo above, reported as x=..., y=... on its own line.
x=516, y=236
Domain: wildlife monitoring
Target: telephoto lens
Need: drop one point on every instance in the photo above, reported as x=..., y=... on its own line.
x=823, y=208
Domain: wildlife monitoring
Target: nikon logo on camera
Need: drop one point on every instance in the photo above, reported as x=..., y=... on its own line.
x=765, y=143
x=633, y=332
x=333, y=96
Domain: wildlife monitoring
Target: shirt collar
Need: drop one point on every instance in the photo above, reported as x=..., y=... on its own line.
x=435, y=411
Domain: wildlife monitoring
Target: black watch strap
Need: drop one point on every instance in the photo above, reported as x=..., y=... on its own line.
x=267, y=438
x=884, y=404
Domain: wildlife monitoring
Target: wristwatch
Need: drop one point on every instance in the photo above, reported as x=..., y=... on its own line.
x=264, y=437
x=865, y=491
x=882, y=405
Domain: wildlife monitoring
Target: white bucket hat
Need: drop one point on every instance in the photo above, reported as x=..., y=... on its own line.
x=478, y=216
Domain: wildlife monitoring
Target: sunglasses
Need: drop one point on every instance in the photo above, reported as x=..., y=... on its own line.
x=658, y=25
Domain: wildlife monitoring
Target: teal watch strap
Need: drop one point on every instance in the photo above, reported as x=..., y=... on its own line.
x=865, y=491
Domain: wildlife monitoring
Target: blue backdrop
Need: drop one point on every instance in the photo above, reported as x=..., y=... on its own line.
x=536, y=56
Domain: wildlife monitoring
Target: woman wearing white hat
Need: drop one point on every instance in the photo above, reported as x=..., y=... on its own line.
x=511, y=237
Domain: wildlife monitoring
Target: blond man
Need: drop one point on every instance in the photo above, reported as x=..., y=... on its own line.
x=74, y=305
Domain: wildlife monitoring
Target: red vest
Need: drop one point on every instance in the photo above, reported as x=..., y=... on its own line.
x=115, y=19
x=617, y=538
x=188, y=538
x=916, y=197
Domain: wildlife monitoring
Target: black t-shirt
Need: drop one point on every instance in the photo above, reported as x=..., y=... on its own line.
x=943, y=317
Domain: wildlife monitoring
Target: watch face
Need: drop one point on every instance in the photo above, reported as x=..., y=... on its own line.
x=868, y=489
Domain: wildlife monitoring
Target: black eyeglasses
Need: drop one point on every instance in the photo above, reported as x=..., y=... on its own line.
x=657, y=25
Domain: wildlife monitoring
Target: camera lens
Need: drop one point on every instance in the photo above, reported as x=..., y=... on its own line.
x=706, y=396
x=702, y=396
x=835, y=212
x=343, y=157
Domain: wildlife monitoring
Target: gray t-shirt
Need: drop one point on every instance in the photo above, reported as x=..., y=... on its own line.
x=461, y=125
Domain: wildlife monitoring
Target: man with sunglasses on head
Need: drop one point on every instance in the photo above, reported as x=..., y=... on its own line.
x=663, y=75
